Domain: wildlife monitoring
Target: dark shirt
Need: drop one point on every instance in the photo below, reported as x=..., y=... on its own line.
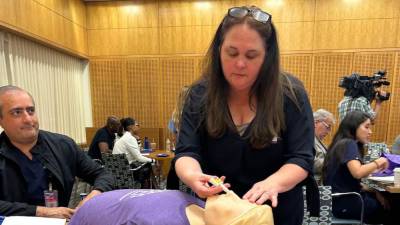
x=338, y=174
x=63, y=160
x=102, y=135
x=232, y=156
x=34, y=174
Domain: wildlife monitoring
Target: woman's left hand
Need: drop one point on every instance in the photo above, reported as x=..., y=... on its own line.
x=261, y=192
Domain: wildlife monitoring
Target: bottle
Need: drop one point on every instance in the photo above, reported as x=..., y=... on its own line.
x=168, y=145
x=146, y=144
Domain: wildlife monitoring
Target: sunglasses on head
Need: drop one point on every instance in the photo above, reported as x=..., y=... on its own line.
x=257, y=14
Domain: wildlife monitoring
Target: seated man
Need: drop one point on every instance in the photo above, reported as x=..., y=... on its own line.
x=33, y=160
x=103, y=141
x=323, y=122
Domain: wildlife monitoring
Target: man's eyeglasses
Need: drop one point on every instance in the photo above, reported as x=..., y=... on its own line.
x=257, y=14
x=327, y=126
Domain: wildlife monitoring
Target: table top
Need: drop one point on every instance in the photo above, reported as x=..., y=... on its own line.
x=383, y=184
x=156, y=155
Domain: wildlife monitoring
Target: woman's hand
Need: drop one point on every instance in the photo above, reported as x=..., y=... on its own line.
x=199, y=184
x=261, y=192
x=383, y=163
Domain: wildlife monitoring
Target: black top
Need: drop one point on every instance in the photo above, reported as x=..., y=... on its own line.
x=102, y=135
x=34, y=174
x=243, y=166
x=63, y=160
x=338, y=174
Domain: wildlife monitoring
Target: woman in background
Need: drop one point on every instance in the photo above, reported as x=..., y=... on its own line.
x=127, y=144
x=343, y=170
x=173, y=124
x=173, y=182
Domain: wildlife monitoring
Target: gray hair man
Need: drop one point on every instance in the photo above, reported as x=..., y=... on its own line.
x=323, y=123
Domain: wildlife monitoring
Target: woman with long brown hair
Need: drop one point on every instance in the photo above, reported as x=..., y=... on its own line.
x=247, y=121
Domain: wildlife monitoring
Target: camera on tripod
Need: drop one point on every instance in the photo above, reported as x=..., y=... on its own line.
x=357, y=85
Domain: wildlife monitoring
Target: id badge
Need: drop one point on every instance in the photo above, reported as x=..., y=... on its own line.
x=51, y=198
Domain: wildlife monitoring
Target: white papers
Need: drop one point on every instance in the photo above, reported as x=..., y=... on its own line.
x=30, y=220
x=388, y=179
x=145, y=154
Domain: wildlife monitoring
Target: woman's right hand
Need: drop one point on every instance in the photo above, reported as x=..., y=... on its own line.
x=199, y=184
x=383, y=163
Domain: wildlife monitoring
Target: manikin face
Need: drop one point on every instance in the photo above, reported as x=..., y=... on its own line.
x=242, y=54
x=363, y=132
x=19, y=119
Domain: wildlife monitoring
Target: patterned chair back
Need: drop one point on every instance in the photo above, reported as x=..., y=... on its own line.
x=118, y=165
x=325, y=215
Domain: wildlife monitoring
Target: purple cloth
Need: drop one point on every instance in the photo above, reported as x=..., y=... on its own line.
x=136, y=206
x=394, y=161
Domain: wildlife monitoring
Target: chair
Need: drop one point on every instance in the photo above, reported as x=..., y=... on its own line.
x=326, y=216
x=118, y=165
x=336, y=220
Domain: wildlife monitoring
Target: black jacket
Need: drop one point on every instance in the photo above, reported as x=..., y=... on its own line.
x=63, y=159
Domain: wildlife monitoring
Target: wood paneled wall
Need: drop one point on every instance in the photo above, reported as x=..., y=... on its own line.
x=143, y=52
x=58, y=23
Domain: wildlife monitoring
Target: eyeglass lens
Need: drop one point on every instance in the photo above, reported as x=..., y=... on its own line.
x=326, y=125
x=240, y=12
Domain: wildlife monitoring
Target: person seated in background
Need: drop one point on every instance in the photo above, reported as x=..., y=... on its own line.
x=396, y=146
x=323, y=123
x=128, y=145
x=173, y=124
x=33, y=160
x=103, y=141
x=343, y=169
x=173, y=127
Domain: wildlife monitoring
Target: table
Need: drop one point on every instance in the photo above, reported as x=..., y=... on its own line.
x=383, y=184
x=163, y=164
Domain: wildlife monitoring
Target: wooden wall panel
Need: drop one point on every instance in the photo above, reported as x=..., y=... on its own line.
x=355, y=34
x=176, y=73
x=325, y=93
x=123, y=42
x=365, y=9
x=288, y=10
x=296, y=36
x=394, y=115
x=107, y=85
x=122, y=14
x=300, y=66
x=321, y=42
x=143, y=91
x=185, y=40
x=7, y=12
x=191, y=13
x=58, y=23
x=366, y=64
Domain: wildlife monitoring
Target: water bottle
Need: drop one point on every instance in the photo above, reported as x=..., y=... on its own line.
x=146, y=145
x=168, y=145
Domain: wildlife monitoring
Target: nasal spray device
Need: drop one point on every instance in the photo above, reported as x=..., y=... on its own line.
x=218, y=182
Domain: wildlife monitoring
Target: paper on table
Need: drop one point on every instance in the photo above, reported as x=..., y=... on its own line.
x=388, y=179
x=30, y=220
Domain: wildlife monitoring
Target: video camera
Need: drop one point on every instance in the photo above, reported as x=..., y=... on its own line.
x=357, y=85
